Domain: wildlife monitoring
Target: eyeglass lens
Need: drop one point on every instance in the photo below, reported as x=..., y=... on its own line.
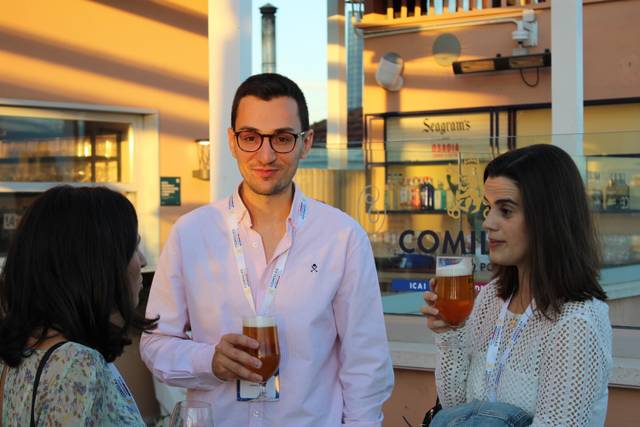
x=281, y=142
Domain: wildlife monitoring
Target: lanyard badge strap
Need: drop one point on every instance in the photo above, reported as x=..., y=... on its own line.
x=234, y=231
x=494, y=368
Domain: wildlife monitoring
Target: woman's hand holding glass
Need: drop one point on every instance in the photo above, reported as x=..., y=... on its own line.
x=434, y=321
x=454, y=289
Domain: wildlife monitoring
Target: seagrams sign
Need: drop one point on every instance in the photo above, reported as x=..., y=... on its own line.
x=418, y=127
x=446, y=126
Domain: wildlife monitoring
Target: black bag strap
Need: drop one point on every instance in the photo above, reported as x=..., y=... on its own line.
x=43, y=362
x=428, y=417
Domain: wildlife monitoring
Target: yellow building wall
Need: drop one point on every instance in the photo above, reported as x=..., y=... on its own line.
x=611, y=63
x=142, y=54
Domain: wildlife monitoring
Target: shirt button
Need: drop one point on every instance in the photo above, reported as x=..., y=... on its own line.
x=256, y=413
x=254, y=244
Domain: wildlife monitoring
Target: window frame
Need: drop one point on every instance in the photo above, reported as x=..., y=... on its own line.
x=144, y=144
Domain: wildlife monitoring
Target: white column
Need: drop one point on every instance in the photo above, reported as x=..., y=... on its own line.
x=229, y=65
x=567, y=88
x=336, y=86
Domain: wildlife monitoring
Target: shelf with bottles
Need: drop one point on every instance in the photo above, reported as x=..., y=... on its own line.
x=414, y=194
x=62, y=169
x=616, y=196
x=410, y=211
x=616, y=211
x=413, y=188
x=414, y=163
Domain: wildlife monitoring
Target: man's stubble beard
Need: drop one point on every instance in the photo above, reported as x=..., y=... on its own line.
x=275, y=190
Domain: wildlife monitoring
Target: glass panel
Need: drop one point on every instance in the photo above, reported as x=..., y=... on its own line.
x=34, y=149
x=12, y=207
x=423, y=199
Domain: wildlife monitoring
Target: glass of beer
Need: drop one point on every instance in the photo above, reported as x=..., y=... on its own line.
x=454, y=287
x=264, y=330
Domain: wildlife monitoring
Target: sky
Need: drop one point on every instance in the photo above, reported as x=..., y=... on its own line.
x=301, y=48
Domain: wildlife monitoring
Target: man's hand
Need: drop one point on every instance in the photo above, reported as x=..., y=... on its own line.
x=230, y=359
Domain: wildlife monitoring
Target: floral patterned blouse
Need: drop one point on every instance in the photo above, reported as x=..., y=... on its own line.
x=77, y=388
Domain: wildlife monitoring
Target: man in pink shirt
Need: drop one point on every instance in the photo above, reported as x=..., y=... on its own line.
x=268, y=249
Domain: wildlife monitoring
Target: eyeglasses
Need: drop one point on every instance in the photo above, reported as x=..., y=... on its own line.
x=281, y=142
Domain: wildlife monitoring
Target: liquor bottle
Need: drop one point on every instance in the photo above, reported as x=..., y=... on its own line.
x=415, y=194
x=440, y=199
x=437, y=199
x=634, y=193
x=623, y=192
x=390, y=194
x=424, y=194
x=405, y=194
x=398, y=195
x=610, y=191
x=430, y=193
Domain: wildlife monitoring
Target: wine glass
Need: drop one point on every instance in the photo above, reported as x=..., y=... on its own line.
x=191, y=413
x=264, y=330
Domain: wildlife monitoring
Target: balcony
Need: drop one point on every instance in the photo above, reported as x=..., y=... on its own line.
x=380, y=13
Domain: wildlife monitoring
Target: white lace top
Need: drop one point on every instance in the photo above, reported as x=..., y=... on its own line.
x=558, y=371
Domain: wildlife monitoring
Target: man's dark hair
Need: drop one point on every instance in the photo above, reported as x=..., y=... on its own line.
x=66, y=271
x=564, y=252
x=267, y=86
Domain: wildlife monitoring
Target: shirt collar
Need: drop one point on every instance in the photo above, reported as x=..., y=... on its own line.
x=240, y=208
x=294, y=214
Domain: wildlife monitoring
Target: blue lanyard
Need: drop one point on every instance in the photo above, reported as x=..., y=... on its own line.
x=122, y=388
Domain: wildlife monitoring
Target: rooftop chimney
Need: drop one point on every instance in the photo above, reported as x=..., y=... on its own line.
x=268, y=38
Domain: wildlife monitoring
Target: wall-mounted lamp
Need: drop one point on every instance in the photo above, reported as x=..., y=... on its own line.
x=389, y=72
x=503, y=63
x=526, y=33
x=203, y=160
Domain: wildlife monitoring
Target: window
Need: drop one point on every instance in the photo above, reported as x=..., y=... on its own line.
x=47, y=144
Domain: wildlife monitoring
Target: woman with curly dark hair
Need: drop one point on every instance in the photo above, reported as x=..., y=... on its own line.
x=68, y=292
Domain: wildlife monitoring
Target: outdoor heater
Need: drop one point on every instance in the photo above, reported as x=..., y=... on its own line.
x=503, y=63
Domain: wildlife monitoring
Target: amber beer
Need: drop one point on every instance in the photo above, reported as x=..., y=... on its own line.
x=454, y=287
x=263, y=329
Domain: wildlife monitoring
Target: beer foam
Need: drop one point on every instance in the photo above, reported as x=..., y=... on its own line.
x=259, y=321
x=462, y=266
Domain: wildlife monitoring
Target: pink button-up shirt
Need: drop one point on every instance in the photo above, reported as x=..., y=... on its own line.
x=335, y=367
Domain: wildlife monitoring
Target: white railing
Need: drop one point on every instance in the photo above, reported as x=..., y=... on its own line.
x=408, y=8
